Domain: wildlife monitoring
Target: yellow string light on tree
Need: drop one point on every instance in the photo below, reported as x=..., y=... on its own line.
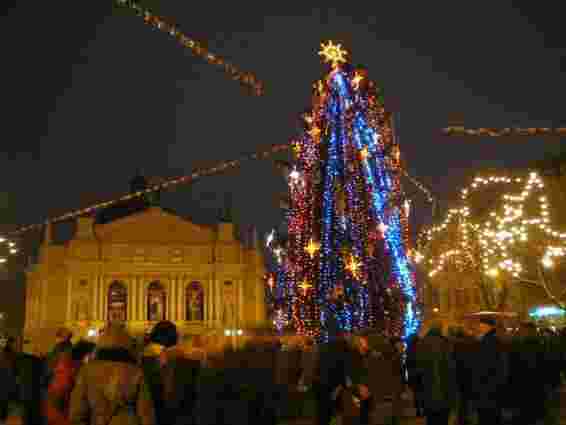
x=500, y=240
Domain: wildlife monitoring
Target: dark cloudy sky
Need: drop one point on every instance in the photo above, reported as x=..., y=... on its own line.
x=88, y=97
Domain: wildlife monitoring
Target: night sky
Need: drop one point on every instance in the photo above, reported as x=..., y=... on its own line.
x=89, y=97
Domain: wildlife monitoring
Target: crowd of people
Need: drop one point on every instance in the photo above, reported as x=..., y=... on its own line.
x=487, y=378
x=490, y=376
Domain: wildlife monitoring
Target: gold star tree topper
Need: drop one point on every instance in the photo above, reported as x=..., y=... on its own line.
x=333, y=53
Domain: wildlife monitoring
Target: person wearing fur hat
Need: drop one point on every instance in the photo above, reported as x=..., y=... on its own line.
x=111, y=389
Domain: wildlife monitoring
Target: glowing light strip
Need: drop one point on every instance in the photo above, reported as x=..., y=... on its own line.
x=246, y=78
x=500, y=132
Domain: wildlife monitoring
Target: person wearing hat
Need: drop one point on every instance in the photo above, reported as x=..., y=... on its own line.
x=332, y=371
x=489, y=374
x=435, y=364
x=111, y=389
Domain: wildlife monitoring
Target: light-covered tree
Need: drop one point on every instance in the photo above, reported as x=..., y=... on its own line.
x=499, y=242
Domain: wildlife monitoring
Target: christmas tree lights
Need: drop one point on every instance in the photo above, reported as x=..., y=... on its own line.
x=344, y=259
x=511, y=242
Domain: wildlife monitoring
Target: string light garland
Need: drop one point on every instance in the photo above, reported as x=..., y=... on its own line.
x=247, y=79
x=344, y=259
x=221, y=167
x=501, y=132
x=8, y=247
x=500, y=244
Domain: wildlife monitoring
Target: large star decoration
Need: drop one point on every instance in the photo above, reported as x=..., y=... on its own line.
x=305, y=286
x=312, y=248
x=353, y=266
x=333, y=53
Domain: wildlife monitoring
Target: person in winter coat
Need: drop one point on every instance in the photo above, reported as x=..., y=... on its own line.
x=527, y=375
x=489, y=377
x=62, y=347
x=59, y=390
x=179, y=370
x=464, y=346
x=330, y=377
x=21, y=380
x=111, y=389
x=414, y=380
x=9, y=393
x=162, y=337
x=435, y=363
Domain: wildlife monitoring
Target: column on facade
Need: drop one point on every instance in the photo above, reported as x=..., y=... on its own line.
x=68, y=316
x=171, y=313
x=217, y=301
x=129, y=304
x=208, y=302
x=94, y=298
x=181, y=297
x=137, y=299
x=132, y=296
x=182, y=284
x=139, y=283
x=104, y=282
x=142, y=299
x=240, y=320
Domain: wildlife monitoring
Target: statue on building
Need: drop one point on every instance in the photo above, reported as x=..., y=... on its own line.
x=195, y=302
x=156, y=303
x=155, y=309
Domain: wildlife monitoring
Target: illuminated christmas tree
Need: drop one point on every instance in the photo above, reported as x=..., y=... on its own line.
x=343, y=265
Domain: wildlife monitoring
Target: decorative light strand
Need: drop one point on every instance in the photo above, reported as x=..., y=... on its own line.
x=501, y=132
x=247, y=79
x=495, y=243
x=221, y=167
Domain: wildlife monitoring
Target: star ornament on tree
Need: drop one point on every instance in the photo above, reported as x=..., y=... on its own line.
x=333, y=53
x=312, y=248
x=353, y=267
x=305, y=286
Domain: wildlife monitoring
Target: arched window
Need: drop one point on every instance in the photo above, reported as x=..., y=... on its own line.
x=117, y=302
x=156, y=302
x=194, y=302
